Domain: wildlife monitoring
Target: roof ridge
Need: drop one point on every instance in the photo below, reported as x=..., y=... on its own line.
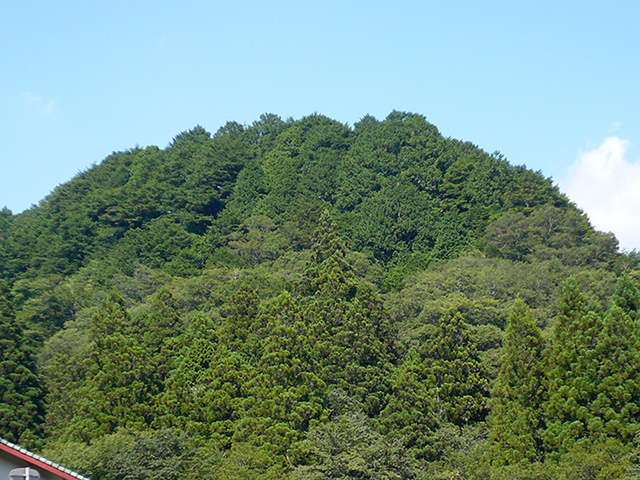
x=41, y=459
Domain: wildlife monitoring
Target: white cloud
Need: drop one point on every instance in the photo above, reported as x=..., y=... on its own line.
x=606, y=186
x=45, y=107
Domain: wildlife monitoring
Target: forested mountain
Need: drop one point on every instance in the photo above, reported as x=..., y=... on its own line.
x=305, y=299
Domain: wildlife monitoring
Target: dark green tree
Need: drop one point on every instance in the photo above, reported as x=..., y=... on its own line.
x=158, y=332
x=286, y=396
x=615, y=410
x=458, y=382
x=517, y=417
x=572, y=372
x=240, y=328
x=409, y=415
x=21, y=396
x=352, y=337
x=115, y=392
x=204, y=393
x=627, y=297
x=6, y=218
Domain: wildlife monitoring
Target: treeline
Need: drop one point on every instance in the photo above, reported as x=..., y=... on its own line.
x=301, y=299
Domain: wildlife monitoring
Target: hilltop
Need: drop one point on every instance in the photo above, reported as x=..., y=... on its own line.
x=259, y=293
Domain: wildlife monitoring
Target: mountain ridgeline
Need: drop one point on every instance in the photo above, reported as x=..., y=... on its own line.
x=398, y=191
x=304, y=299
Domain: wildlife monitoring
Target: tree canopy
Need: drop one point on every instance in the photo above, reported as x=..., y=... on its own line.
x=308, y=299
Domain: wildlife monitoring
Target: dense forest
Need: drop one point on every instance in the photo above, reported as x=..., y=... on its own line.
x=303, y=299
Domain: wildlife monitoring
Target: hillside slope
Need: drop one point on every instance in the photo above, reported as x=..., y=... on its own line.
x=298, y=297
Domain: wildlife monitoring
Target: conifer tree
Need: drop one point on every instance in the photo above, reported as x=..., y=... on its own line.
x=21, y=396
x=240, y=329
x=208, y=403
x=458, y=381
x=115, y=392
x=208, y=392
x=410, y=416
x=572, y=372
x=516, y=419
x=204, y=393
x=286, y=397
x=327, y=246
x=157, y=332
x=627, y=297
x=176, y=403
x=160, y=331
x=216, y=401
x=352, y=341
x=616, y=408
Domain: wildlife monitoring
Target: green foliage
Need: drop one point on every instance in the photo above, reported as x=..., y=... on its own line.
x=21, y=396
x=458, y=382
x=518, y=395
x=115, y=392
x=240, y=327
x=204, y=395
x=286, y=397
x=572, y=371
x=593, y=380
x=459, y=453
x=276, y=278
x=6, y=218
x=350, y=326
x=349, y=448
x=44, y=305
x=247, y=462
x=398, y=189
x=162, y=454
x=409, y=415
x=63, y=374
x=616, y=408
x=627, y=297
x=549, y=232
x=606, y=459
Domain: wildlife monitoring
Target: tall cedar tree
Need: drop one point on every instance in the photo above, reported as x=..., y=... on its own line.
x=627, y=297
x=616, y=409
x=157, y=332
x=286, y=396
x=351, y=334
x=21, y=397
x=410, y=415
x=197, y=349
x=240, y=328
x=458, y=382
x=116, y=393
x=572, y=373
x=516, y=419
x=205, y=392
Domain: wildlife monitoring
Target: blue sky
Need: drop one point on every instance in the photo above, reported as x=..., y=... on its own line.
x=551, y=85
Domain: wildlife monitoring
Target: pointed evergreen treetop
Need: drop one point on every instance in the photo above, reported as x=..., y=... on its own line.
x=328, y=272
x=516, y=417
x=627, y=297
x=573, y=307
x=616, y=409
x=573, y=365
x=458, y=379
x=240, y=323
x=112, y=317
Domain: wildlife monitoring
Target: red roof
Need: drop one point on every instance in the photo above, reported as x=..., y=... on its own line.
x=38, y=461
